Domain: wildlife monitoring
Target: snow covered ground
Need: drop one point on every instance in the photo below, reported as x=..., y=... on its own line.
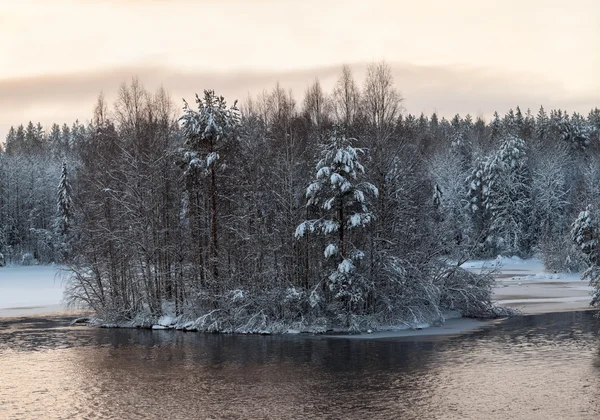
x=525, y=285
x=521, y=284
x=30, y=290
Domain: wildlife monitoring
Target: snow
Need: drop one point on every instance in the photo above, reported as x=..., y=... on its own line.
x=28, y=290
x=346, y=267
x=166, y=320
x=450, y=327
x=525, y=285
x=292, y=294
x=336, y=179
x=508, y=263
x=211, y=158
x=323, y=172
x=331, y=249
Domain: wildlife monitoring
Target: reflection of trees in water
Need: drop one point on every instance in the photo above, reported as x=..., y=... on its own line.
x=281, y=376
x=143, y=373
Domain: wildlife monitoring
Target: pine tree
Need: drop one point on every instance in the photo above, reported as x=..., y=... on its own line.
x=342, y=202
x=64, y=203
x=11, y=138
x=519, y=122
x=496, y=127
x=477, y=187
x=65, y=140
x=54, y=141
x=509, y=123
x=64, y=208
x=205, y=131
x=574, y=131
x=541, y=124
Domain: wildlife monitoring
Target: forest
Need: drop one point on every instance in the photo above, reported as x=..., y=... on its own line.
x=338, y=211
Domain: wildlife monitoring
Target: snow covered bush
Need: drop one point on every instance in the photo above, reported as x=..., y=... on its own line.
x=465, y=291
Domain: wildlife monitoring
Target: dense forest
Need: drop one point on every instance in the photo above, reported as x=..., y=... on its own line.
x=341, y=211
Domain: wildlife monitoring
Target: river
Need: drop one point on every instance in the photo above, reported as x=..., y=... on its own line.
x=530, y=367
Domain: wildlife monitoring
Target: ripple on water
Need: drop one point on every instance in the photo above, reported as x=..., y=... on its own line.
x=538, y=367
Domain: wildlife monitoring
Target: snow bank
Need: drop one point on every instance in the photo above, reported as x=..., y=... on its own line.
x=30, y=290
x=506, y=263
x=525, y=285
x=450, y=327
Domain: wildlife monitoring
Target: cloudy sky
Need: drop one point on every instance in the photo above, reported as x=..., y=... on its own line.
x=464, y=56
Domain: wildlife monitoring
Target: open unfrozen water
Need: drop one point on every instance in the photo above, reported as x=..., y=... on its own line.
x=532, y=367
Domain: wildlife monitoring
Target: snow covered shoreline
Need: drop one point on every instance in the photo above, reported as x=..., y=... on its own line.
x=453, y=323
x=521, y=284
x=31, y=290
x=525, y=285
x=37, y=291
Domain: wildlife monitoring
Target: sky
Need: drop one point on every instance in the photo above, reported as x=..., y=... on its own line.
x=464, y=56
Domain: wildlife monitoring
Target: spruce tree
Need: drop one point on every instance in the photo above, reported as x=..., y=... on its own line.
x=64, y=204
x=585, y=233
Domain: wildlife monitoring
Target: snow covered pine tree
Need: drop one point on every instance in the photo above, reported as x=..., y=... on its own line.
x=342, y=203
x=206, y=131
x=64, y=207
x=585, y=234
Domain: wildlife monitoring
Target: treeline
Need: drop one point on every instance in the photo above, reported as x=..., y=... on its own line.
x=338, y=211
x=30, y=173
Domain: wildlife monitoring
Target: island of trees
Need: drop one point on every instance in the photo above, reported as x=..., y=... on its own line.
x=341, y=211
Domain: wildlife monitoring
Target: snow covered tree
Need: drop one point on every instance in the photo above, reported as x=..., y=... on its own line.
x=461, y=146
x=550, y=190
x=585, y=233
x=343, y=205
x=64, y=202
x=509, y=122
x=541, y=124
x=519, y=122
x=507, y=196
x=495, y=127
x=477, y=186
x=575, y=131
x=499, y=198
x=205, y=131
x=448, y=174
x=11, y=138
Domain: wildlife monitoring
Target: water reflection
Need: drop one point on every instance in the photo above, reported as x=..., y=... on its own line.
x=545, y=367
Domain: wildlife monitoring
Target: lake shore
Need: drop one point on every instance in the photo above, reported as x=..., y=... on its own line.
x=520, y=284
x=525, y=285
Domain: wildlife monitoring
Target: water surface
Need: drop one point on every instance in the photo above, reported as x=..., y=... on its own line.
x=533, y=367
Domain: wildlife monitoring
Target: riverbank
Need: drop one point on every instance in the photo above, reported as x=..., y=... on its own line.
x=525, y=285
x=521, y=284
x=31, y=290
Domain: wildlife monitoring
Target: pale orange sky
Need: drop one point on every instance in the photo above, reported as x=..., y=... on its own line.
x=465, y=56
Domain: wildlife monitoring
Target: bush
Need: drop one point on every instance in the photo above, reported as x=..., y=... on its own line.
x=28, y=259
